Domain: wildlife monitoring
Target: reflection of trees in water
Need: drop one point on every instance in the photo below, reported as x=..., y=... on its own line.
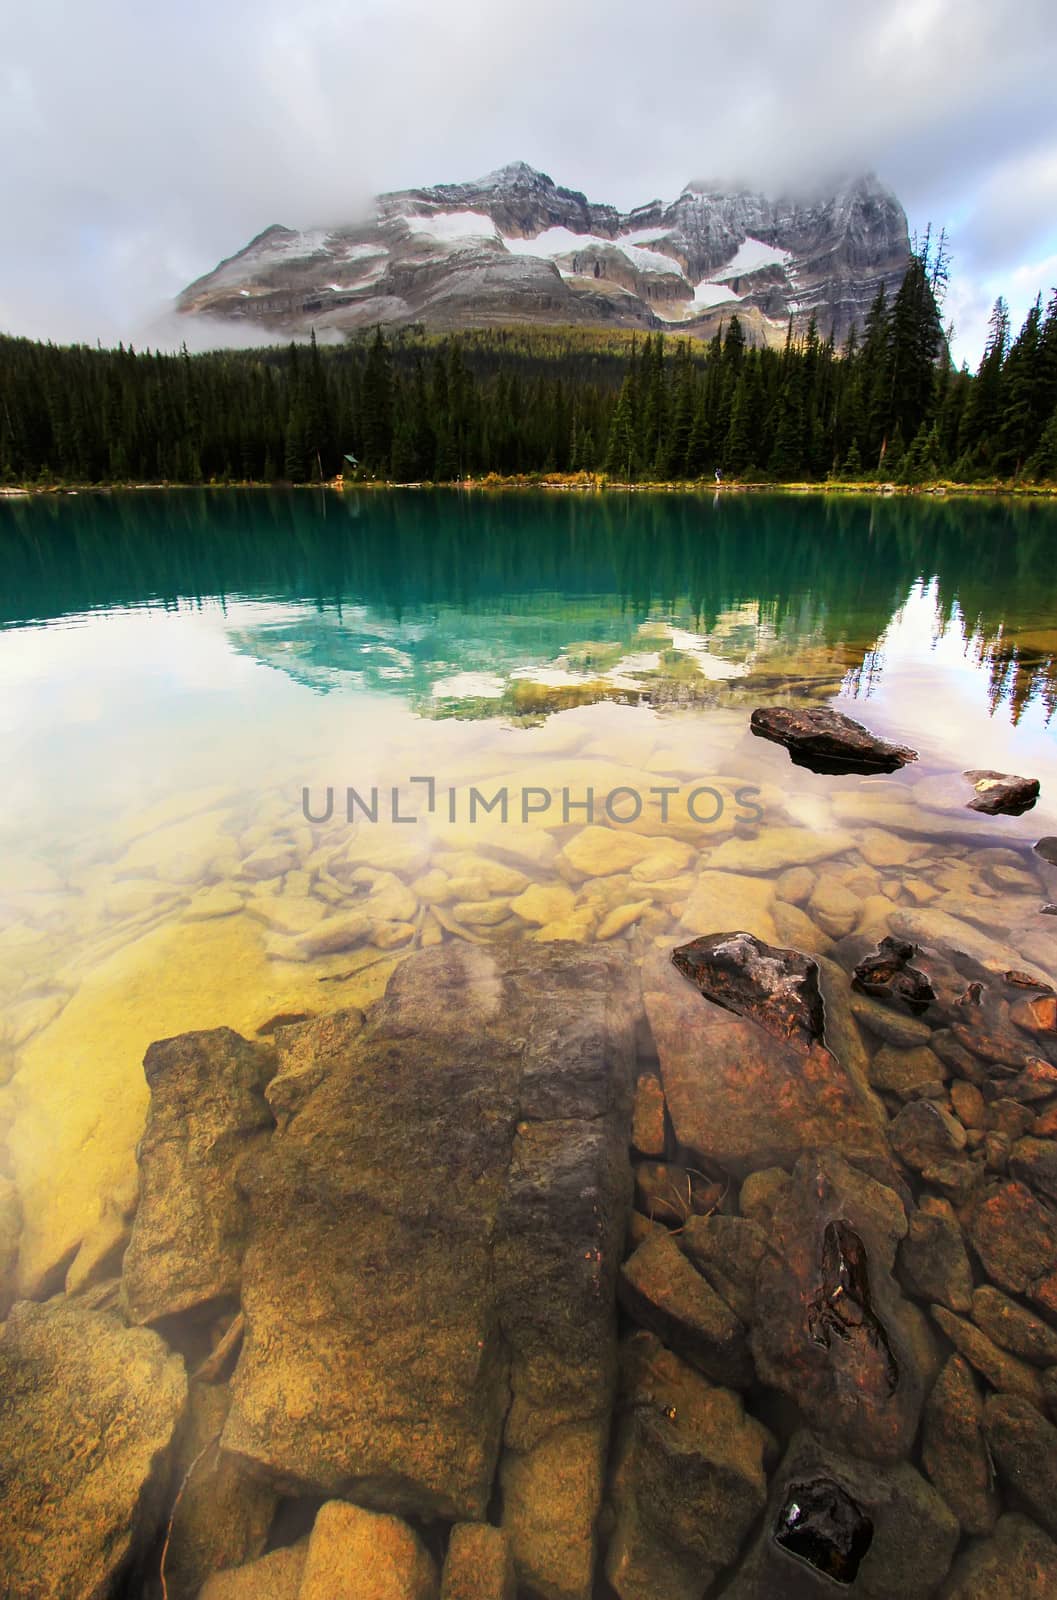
x=832, y=571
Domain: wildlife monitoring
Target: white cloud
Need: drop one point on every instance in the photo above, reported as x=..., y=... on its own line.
x=142, y=143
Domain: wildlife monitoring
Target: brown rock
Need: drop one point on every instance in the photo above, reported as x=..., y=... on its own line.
x=1015, y=1236
x=923, y=1135
x=1018, y=1561
x=743, y=1098
x=479, y=1564
x=1002, y=1371
x=932, y=1263
x=1024, y=1446
x=88, y=1414
x=838, y=1525
x=223, y=1515
x=764, y=1195
x=647, y=1121
x=728, y=1250
x=907, y=1073
x=207, y=1114
x=1014, y=1327
x=953, y=1451
x=1001, y=793
x=663, y=1292
x=361, y=1555
x=969, y=1105
x=1034, y=1162
x=831, y=1327
x=687, y=1480
x=775, y=987
x=551, y=1497
x=273, y=1577
x=403, y=1313
x=827, y=741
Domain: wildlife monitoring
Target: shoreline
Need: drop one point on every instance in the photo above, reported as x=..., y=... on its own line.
x=592, y=484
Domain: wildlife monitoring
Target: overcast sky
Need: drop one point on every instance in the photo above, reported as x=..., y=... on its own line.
x=142, y=142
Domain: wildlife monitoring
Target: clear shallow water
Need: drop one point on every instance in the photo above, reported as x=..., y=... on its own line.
x=175, y=671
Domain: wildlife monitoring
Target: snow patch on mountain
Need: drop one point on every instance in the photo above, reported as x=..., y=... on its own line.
x=555, y=242
x=713, y=294
x=752, y=254
x=453, y=227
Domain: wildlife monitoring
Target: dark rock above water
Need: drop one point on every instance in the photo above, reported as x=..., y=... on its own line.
x=1002, y=793
x=775, y=987
x=828, y=741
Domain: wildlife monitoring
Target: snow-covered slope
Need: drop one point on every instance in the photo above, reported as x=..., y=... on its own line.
x=515, y=247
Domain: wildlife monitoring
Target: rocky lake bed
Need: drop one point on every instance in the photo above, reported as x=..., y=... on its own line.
x=645, y=1191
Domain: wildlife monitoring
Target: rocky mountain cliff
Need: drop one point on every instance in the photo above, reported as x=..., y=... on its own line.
x=514, y=247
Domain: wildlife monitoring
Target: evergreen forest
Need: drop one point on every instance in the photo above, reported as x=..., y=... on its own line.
x=411, y=406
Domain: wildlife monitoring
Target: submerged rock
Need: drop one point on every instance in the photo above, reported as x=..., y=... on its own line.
x=223, y=1515
x=435, y=1233
x=888, y=975
x=1024, y=1445
x=1002, y=793
x=207, y=1114
x=776, y=988
x=834, y=1524
x=274, y=1577
x=827, y=741
x=953, y=1451
x=662, y=1291
x=1018, y=1560
x=1015, y=1236
x=361, y=1555
x=740, y=1096
x=1014, y=1327
x=687, y=1480
x=479, y=1564
x=832, y=1329
x=1047, y=849
x=932, y=1261
x=87, y=1416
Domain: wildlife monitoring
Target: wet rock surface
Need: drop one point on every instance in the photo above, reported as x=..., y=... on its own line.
x=832, y=1328
x=834, y=1524
x=1024, y=1446
x=88, y=1409
x=827, y=741
x=953, y=1451
x=207, y=1113
x=761, y=1101
x=888, y=975
x=406, y=1316
x=1002, y=793
x=775, y=987
x=688, y=1477
x=1017, y=1560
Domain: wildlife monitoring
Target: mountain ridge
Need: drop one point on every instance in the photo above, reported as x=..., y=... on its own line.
x=515, y=247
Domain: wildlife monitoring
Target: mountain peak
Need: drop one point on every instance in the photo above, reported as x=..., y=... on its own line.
x=515, y=175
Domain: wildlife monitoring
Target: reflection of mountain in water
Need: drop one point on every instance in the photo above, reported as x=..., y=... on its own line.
x=404, y=589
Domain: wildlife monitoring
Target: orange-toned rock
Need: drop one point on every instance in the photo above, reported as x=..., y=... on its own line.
x=1015, y=1236
x=647, y=1122
x=741, y=1097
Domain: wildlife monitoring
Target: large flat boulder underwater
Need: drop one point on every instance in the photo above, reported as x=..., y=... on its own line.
x=434, y=1231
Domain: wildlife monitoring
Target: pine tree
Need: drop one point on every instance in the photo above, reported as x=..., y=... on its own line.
x=620, y=454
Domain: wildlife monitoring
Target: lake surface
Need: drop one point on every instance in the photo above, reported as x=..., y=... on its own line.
x=192, y=683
